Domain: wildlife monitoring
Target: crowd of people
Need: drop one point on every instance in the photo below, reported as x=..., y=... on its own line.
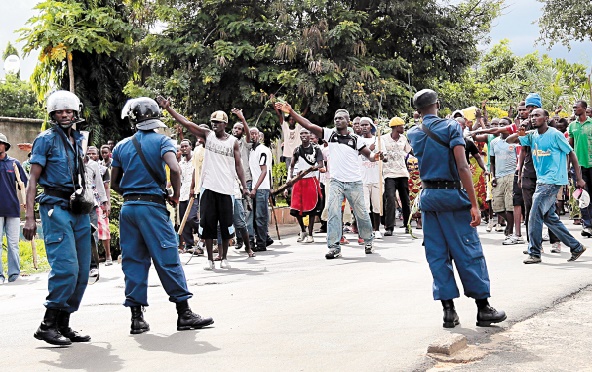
x=444, y=174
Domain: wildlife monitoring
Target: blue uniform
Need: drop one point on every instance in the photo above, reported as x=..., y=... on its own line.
x=446, y=215
x=67, y=235
x=146, y=229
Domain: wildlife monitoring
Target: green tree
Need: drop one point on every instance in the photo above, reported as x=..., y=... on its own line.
x=63, y=27
x=9, y=50
x=17, y=99
x=564, y=21
x=85, y=46
x=319, y=55
x=505, y=79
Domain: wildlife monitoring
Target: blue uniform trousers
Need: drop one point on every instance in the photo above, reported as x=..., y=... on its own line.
x=146, y=232
x=67, y=244
x=449, y=236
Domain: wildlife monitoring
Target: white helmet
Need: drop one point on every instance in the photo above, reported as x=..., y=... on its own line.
x=63, y=100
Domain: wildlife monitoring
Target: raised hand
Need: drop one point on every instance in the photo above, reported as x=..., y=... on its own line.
x=162, y=102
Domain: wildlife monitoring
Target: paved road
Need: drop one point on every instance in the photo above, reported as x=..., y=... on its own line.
x=288, y=309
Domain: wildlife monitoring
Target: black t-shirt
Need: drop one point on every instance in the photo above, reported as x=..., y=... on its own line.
x=470, y=149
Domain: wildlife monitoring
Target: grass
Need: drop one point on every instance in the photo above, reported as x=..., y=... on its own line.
x=26, y=257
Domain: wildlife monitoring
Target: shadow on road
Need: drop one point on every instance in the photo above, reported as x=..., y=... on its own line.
x=89, y=357
x=176, y=343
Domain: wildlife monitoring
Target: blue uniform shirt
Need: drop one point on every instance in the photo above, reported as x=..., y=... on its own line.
x=437, y=163
x=549, y=152
x=9, y=203
x=136, y=179
x=49, y=152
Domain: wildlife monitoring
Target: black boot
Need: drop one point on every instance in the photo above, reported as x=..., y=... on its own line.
x=487, y=314
x=450, y=315
x=139, y=325
x=189, y=320
x=64, y=328
x=48, y=330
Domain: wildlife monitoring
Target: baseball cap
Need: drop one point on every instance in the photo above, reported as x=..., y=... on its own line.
x=219, y=116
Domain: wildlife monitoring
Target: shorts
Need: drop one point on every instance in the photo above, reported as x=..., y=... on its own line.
x=305, y=197
x=517, y=199
x=103, y=224
x=215, y=208
x=502, y=194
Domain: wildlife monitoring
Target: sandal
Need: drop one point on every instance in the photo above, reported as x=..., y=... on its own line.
x=218, y=258
x=251, y=254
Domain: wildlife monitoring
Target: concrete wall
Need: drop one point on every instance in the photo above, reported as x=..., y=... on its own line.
x=19, y=130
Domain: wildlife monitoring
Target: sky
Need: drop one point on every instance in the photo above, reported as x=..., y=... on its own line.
x=516, y=24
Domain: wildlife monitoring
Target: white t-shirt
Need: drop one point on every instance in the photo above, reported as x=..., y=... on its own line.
x=395, y=153
x=260, y=155
x=369, y=169
x=218, y=169
x=344, y=151
x=187, y=169
x=291, y=139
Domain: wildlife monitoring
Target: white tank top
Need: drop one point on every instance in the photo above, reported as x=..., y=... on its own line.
x=218, y=170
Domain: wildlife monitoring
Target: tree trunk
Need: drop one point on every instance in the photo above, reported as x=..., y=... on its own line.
x=70, y=71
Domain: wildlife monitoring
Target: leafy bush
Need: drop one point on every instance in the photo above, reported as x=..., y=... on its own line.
x=26, y=256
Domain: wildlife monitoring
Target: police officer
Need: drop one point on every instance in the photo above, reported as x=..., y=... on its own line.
x=450, y=212
x=146, y=229
x=55, y=161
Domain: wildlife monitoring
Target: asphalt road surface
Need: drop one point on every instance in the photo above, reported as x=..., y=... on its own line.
x=290, y=309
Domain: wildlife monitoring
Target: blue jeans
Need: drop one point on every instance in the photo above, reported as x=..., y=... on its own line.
x=11, y=227
x=354, y=193
x=543, y=210
x=260, y=218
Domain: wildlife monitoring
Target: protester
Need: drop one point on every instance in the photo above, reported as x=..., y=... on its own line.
x=56, y=165
x=306, y=192
x=260, y=165
x=94, y=183
x=580, y=133
x=396, y=148
x=104, y=229
x=450, y=213
x=222, y=162
x=290, y=136
x=371, y=177
x=550, y=159
x=10, y=209
x=503, y=162
x=146, y=230
x=187, y=165
x=243, y=135
x=102, y=196
x=346, y=181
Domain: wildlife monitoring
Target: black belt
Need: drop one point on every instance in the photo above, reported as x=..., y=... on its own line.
x=145, y=197
x=441, y=184
x=58, y=193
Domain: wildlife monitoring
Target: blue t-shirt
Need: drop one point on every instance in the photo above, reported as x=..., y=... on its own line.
x=49, y=151
x=437, y=163
x=505, y=157
x=9, y=203
x=549, y=155
x=136, y=179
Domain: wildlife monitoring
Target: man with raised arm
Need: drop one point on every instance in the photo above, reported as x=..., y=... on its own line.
x=346, y=179
x=222, y=162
